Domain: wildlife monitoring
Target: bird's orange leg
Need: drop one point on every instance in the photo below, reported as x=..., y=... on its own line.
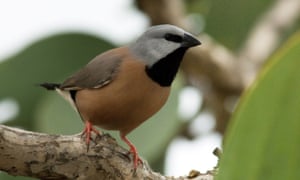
x=133, y=150
x=88, y=129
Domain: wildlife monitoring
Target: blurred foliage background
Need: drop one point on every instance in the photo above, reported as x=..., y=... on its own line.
x=229, y=23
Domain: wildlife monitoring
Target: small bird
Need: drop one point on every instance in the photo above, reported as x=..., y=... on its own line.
x=123, y=87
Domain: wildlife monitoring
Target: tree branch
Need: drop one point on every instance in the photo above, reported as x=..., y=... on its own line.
x=43, y=156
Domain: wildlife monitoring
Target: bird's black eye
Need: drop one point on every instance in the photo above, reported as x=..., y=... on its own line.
x=174, y=38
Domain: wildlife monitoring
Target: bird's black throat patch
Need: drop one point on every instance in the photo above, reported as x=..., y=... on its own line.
x=164, y=71
x=73, y=95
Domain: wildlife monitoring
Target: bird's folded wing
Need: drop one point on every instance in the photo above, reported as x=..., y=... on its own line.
x=96, y=74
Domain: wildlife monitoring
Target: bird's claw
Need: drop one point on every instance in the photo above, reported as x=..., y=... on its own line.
x=88, y=130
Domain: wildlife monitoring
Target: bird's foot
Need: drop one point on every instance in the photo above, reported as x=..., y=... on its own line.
x=136, y=158
x=87, y=132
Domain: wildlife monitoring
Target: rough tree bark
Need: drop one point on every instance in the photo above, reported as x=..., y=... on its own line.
x=44, y=156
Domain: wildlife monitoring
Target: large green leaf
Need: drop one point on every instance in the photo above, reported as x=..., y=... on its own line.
x=263, y=139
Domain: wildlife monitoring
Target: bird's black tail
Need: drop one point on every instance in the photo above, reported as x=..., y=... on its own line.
x=50, y=86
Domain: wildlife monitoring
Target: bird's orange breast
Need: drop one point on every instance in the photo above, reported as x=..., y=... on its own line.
x=130, y=99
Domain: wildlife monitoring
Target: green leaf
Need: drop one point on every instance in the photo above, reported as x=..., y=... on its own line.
x=263, y=139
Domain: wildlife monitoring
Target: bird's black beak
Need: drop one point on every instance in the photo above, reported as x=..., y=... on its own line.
x=190, y=41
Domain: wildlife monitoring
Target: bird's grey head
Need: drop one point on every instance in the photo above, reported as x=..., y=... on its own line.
x=159, y=41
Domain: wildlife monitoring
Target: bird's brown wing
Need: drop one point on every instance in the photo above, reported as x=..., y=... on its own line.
x=97, y=73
